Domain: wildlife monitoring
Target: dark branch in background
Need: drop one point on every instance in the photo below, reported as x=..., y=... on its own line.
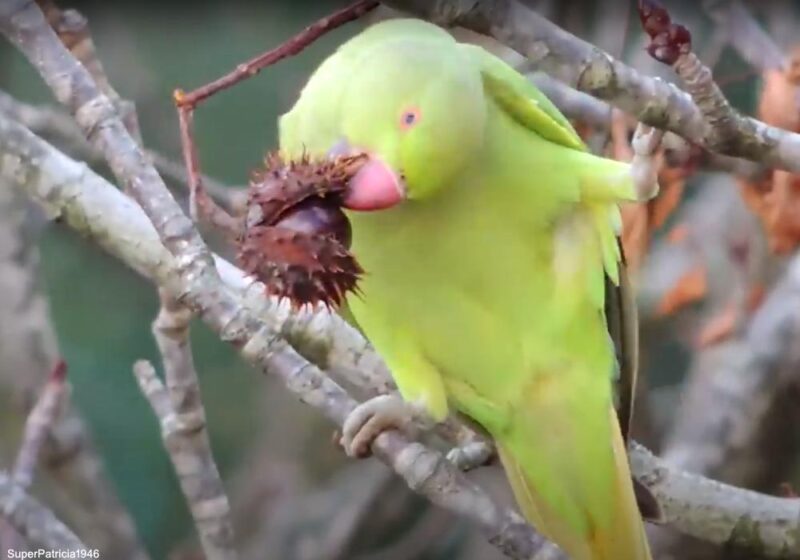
x=73, y=30
x=179, y=408
x=39, y=423
x=75, y=479
x=762, y=525
x=745, y=34
x=61, y=128
x=736, y=416
x=201, y=288
x=33, y=521
x=576, y=105
x=594, y=112
x=587, y=68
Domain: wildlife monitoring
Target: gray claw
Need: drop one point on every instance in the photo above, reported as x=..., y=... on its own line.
x=369, y=419
x=644, y=166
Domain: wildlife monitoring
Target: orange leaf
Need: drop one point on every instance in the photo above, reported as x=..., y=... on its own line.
x=784, y=211
x=753, y=195
x=583, y=129
x=755, y=297
x=635, y=233
x=723, y=325
x=777, y=200
x=690, y=288
x=719, y=328
x=678, y=234
x=778, y=103
x=668, y=199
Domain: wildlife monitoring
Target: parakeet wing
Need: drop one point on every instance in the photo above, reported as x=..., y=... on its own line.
x=623, y=326
x=535, y=111
x=523, y=101
x=531, y=108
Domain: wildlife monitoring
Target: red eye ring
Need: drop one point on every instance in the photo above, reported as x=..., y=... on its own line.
x=409, y=118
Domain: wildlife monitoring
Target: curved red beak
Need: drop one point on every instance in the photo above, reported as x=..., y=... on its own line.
x=376, y=186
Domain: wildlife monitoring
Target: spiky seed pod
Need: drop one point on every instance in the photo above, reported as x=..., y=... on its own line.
x=296, y=237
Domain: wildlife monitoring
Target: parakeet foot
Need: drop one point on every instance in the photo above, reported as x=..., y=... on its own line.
x=644, y=166
x=471, y=455
x=369, y=419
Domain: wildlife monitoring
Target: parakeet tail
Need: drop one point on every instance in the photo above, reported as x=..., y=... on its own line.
x=620, y=536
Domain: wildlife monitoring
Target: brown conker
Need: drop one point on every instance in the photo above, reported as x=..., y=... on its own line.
x=319, y=216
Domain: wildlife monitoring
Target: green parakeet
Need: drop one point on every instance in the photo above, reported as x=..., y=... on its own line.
x=488, y=234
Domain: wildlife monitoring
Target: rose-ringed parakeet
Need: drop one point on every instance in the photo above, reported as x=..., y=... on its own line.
x=488, y=234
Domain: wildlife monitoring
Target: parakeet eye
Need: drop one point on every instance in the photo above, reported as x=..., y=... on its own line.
x=409, y=118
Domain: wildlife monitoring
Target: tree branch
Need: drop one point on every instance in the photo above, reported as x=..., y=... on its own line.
x=587, y=68
x=597, y=114
x=73, y=31
x=719, y=513
x=745, y=34
x=28, y=349
x=34, y=521
x=37, y=426
x=180, y=411
x=65, y=133
x=39, y=423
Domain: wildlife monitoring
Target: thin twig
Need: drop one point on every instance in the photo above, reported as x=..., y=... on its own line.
x=34, y=521
x=288, y=48
x=179, y=408
x=27, y=352
x=200, y=204
x=725, y=129
x=37, y=426
x=61, y=127
x=745, y=34
x=73, y=30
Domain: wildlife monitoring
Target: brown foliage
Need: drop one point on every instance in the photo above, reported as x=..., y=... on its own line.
x=690, y=288
x=776, y=200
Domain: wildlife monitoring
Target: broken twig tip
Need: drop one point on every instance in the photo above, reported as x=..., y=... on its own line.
x=59, y=372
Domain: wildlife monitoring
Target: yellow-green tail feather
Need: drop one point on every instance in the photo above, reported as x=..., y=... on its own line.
x=619, y=537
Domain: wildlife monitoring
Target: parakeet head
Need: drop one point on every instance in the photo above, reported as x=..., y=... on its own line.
x=402, y=91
